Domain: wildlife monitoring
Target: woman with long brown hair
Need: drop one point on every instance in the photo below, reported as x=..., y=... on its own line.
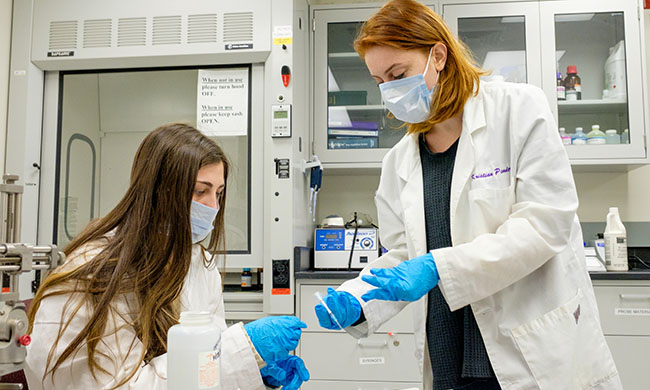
x=477, y=208
x=100, y=320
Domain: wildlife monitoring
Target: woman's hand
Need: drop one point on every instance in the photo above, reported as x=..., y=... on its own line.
x=289, y=373
x=408, y=281
x=275, y=336
x=344, y=306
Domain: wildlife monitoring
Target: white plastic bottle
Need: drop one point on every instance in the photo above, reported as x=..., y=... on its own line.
x=615, y=242
x=595, y=136
x=193, y=352
x=579, y=137
x=566, y=139
x=615, y=77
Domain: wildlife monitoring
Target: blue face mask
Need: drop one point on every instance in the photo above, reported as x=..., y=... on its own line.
x=202, y=220
x=409, y=99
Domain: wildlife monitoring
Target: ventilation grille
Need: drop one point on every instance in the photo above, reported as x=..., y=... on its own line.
x=63, y=35
x=238, y=27
x=202, y=28
x=97, y=33
x=166, y=30
x=131, y=32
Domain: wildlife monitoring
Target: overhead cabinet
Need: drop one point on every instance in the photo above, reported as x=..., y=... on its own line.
x=542, y=42
x=533, y=42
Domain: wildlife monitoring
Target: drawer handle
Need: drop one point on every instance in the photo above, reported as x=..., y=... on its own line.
x=372, y=344
x=635, y=296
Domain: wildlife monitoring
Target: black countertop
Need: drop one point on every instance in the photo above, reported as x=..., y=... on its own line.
x=634, y=274
x=327, y=274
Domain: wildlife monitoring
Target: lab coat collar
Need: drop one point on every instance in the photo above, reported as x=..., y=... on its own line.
x=473, y=120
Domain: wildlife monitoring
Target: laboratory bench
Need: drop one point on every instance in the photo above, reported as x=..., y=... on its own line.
x=633, y=274
x=623, y=300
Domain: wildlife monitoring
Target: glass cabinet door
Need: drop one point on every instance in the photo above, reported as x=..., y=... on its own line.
x=504, y=38
x=595, y=81
x=351, y=124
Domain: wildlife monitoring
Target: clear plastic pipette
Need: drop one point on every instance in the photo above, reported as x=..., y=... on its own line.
x=320, y=299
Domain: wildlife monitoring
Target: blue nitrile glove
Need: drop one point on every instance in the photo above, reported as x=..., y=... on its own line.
x=289, y=373
x=408, y=281
x=274, y=336
x=345, y=307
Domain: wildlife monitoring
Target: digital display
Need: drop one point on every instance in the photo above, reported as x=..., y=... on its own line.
x=280, y=114
x=331, y=236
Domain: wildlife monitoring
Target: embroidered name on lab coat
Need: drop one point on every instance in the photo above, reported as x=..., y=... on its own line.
x=494, y=172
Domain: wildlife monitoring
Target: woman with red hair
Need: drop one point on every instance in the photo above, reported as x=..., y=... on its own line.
x=477, y=208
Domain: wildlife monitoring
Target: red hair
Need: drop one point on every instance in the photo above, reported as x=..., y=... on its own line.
x=408, y=25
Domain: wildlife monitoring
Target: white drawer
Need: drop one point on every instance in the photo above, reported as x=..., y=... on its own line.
x=624, y=310
x=631, y=357
x=401, y=323
x=330, y=385
x=380, y=357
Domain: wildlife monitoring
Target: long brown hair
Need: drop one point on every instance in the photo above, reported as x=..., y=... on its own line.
x=146, y=247
x=408, y=25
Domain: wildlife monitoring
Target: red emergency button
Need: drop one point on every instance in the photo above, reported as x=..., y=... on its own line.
x=286, y=75
x=25, y=340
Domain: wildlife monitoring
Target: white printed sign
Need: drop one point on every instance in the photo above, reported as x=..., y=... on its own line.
x=282, y=35
x=222, y=102
x=372, y=360
x=631, y=311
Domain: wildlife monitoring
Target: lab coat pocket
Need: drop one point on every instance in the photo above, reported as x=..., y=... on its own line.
x=564, y=347
x=490, y=207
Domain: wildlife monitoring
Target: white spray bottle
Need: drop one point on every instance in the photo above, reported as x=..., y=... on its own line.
x=615, y=242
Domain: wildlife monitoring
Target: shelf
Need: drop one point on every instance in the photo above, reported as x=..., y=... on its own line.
x=360, y=107
x=352, y=169
x=345, y=59
x=590, y=106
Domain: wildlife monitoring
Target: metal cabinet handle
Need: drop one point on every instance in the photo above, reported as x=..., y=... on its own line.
x=372, y=344
x=635, y=296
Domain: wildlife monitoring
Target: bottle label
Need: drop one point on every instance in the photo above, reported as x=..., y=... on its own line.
x=209, y=370
x=572, y=95
x=247, y=281
x=577, y=87
x=561, y=93
x=616, y=253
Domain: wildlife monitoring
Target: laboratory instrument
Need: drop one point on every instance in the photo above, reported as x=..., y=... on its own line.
x=17, y=258
x=334, y=249
x=193, y=353
x=315, y=184
x=322, y=302
x=123, y=58
x=281, y=121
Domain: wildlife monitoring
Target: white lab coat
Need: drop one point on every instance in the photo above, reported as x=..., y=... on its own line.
x=202, y=291
x=517, y=256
